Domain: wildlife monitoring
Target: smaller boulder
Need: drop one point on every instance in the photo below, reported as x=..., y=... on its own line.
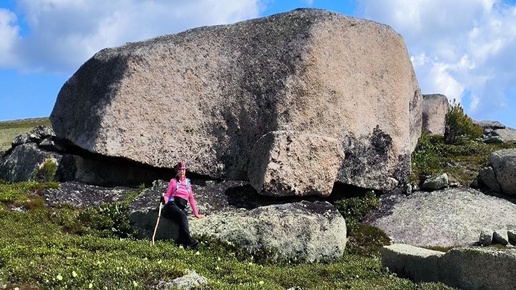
x=486, y=237
x=503, y=163
x=435, y=107
x=285, y=163
x=500, y=237
x=435, y=182
x=487, y=176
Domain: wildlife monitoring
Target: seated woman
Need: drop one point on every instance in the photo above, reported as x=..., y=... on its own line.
x=180, y=192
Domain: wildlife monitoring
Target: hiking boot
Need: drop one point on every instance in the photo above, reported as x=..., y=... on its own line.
x=193, y=244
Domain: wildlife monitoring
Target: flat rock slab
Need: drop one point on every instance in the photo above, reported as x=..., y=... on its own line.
x=464, y=268
x=446, y=218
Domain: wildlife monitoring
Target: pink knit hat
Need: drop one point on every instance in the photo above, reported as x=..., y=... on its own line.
x=181, y=165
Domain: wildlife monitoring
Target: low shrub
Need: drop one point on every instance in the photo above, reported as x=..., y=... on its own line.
x=354, y=209
x=46, y=172
x=459, y=126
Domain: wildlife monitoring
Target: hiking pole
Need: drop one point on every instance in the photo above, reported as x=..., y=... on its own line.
x=159, y=215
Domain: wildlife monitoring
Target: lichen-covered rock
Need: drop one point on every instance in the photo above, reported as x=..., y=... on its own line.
x=207, y=95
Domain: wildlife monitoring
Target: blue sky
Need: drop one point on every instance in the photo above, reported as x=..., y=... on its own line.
x=463, y=48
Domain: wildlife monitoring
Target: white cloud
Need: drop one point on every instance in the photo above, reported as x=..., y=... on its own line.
x=9, y=35
x=462, y=48
x=65, y=33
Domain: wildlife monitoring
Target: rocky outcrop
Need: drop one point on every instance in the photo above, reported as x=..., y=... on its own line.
x=495, y=132
x=464, y=268
x=28, y=154
x=207, y=95
x=500, y=176
x=27, y=158
x=444, y=218
x=435, y=107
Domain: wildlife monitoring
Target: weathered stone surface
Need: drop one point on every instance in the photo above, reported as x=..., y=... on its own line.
x=438, y=181
x=188, y=281
x=500, y=236
x=445, y=218
x=486, y=237
x=464, y=268
x=507, y=134
x=487, y=176
x=208, y=94
x=494, y=130
x=491, y=125
x=279, y=167
x=235, y=213
x=479, y=268
x=435, y=107
x=415, y=263
x=503, y=163
x=22, y=162
x=82, y=195
x=511, y=234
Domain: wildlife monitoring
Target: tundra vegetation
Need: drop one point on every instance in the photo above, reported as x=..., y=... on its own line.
x=94, y=248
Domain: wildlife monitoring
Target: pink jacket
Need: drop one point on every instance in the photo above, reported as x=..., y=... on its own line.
x=183, y=191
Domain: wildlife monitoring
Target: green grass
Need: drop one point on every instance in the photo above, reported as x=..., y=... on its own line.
x=461, y=162
x=10, y=129
x=39, y=249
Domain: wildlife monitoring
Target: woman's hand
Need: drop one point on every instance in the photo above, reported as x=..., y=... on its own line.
x=199, y=216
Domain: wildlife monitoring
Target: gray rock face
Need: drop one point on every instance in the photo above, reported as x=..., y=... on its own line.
x=446, y=218
x=503, y=163
x=279, y=167
x=464, y=268
x=494, y=130
x=208, y=94
x=306, y=230
x=23, y=161
x=435, y=107
x=488, y=177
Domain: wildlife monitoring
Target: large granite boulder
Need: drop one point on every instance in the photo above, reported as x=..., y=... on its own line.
x=435, y=107
x=207, y=95
x=444, y=218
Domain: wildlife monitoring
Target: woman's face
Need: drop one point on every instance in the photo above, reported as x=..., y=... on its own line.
x=181, y=172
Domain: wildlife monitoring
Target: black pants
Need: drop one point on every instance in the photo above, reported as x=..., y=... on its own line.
x=176, y=211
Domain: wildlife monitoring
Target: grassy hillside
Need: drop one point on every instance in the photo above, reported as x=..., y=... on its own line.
x=10, y=129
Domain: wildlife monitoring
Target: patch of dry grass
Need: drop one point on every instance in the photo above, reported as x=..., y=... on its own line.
x=10, y=129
